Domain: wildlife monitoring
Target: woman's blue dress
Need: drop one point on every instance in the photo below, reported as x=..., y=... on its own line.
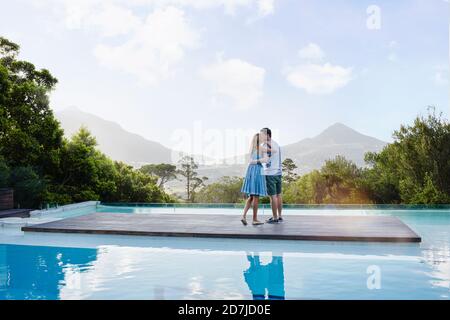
x=254, y=181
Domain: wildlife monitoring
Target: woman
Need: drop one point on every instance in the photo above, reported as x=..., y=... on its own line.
x=254, y=185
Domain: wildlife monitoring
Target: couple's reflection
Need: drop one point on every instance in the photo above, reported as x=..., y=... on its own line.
x=265, y=281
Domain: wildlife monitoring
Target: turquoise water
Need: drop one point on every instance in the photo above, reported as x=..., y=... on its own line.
x=52, y=266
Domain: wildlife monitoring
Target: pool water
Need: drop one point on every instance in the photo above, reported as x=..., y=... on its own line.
x=53, y=266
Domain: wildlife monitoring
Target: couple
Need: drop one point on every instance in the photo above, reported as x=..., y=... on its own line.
x=263, y=177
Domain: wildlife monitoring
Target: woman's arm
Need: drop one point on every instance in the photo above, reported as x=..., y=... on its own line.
x=268, y=148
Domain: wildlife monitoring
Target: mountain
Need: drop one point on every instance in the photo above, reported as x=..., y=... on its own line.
x=308, y=154
x=113, y=140
x=338, y=139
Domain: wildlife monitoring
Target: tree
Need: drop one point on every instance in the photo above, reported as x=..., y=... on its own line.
x=343, y=181
x=28, y=187
x=225, y=190
x=87, y=174
x=30, y=135
x=339, y=181
x=135, y=186
x=39, y=163
x=415, y=168
x=164, y=171
x=289, y=174
x=307, y=189
x=4, y=173
x=188, y=169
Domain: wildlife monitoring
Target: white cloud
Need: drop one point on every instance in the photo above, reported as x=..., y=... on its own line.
x=78, y=11
x=108, y=21
x=266, y=7
x=311, y=52
x=151, y=48
x=315, y=77
x=154, y=49
x=319, y=79
x=236, y=79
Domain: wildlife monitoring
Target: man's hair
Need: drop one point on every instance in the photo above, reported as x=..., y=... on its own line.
x=267, y=131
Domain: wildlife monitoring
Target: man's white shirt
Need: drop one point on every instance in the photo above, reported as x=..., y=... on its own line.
x=274, y=169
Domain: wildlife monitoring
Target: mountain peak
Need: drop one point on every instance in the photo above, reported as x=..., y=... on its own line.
x=339, y=133
x=339, y=127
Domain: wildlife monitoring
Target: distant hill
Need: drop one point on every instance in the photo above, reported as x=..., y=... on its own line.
x=338, y=139
x=113, y=140
x=131, y=148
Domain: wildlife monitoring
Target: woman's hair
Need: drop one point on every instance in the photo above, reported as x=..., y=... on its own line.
x=255, y=144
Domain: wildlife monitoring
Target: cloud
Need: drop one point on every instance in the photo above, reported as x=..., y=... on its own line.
x=154, y=49
x=266, y=7
x=148, y=48
x=107, y=21
x=77, y=12
x=311, y=52
x=236, y=79
x=314, y=77
x=319, y=79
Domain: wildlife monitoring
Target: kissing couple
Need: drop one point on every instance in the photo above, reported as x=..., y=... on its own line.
x=263, y=177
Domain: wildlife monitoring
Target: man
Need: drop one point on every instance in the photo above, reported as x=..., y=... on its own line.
x=272, y=172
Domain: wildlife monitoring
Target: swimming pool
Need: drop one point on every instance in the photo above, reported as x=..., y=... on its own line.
x=54, y=266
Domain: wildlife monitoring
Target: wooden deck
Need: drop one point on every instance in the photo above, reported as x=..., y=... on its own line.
x=321, y=228
x=15, y=213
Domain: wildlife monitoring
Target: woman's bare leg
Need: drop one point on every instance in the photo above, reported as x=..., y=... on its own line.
x=255, y=208
x=248, y=204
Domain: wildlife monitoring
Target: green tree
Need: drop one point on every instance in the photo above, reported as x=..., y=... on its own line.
x=164, y=171
x=28, y=187
x=415, y=168
x=135, y=186
x=339, y=181
x=29, y=133
x=307, y=189
x=289, y=174
x=87, y=174
x=4, y=173
x=225, y=190
x=343, y=180
x=30, y=136
x=188, y=169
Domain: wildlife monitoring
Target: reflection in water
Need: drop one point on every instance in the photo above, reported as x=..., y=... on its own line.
x=27, y=273
x=265, y=280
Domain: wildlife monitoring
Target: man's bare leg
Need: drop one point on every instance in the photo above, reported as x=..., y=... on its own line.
x=279, y=205
x=274, y=206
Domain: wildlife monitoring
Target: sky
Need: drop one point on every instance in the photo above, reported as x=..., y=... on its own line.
x=203, y=75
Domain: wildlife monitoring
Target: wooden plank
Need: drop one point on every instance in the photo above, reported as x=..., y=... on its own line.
x=303, y=227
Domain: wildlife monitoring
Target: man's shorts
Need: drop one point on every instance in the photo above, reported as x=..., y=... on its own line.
x=273, y=184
